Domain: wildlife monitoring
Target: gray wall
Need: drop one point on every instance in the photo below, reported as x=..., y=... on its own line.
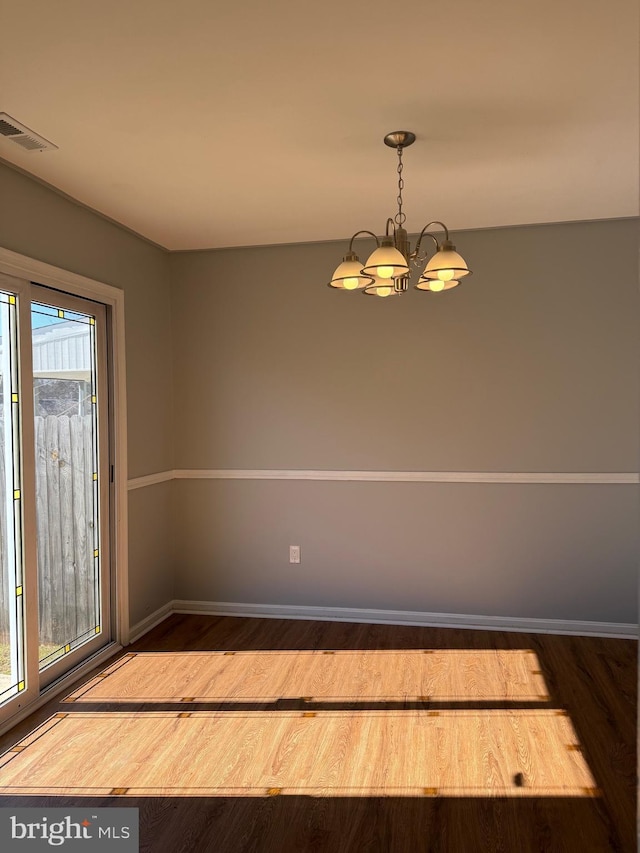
x=530, y=366
x=527, y=551
x=41, y=224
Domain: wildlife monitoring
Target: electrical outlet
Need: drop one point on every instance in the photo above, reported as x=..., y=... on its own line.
x=294, y=553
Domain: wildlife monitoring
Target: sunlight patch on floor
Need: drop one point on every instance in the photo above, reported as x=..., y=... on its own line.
x=434, y=675
x=513, y=753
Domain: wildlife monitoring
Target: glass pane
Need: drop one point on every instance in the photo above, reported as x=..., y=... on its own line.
x=66, y=434
x=12, y=678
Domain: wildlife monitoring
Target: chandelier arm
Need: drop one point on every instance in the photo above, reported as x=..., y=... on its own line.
x=393, y=225
x=437, y=222
x=358, y=234
x=424, y=233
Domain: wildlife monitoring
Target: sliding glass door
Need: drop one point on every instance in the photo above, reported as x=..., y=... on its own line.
x=71, y=474
x=55, y=584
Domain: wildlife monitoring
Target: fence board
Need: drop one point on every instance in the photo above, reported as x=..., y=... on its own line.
x=42, y=533
x=67, y=519
x=54, y=512
x=83, y=579
x=91, y=503
x=67, y=544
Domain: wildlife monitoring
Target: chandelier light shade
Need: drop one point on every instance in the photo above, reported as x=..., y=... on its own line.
x=348, y=274
x=386, y=261
x=436, y=285
x=387, y=271
x=381, y=287
x=446, y=264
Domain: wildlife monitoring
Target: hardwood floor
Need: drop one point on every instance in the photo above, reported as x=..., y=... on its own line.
x=276, y=735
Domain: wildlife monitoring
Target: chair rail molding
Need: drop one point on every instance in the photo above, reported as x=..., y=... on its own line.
x=508, y=477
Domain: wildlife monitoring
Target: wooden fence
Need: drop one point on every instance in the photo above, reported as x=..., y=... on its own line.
x=65, y=530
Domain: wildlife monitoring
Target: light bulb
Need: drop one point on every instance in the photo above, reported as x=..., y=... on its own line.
x=383, y=291
x=350, y=283
x=445, y=275
x=387, y=272
x=436, y=285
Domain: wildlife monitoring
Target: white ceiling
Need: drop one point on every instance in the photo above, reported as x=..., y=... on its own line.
x=204, y=123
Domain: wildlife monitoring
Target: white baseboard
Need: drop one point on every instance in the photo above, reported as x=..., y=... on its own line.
x=406, y=617
x=614, y=630
x=144, y=625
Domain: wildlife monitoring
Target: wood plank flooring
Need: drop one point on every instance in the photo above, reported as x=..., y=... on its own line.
x=307, y=753
x=445, y=676
x=275, y=735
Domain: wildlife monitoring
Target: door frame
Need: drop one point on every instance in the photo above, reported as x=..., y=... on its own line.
x=30, y=270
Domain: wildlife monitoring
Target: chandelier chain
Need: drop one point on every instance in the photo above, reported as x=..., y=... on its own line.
x=400, y=217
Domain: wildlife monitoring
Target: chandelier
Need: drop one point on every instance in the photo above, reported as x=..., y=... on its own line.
x=387, y=270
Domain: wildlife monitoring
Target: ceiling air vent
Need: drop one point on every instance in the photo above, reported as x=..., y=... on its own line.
x=22, y=136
